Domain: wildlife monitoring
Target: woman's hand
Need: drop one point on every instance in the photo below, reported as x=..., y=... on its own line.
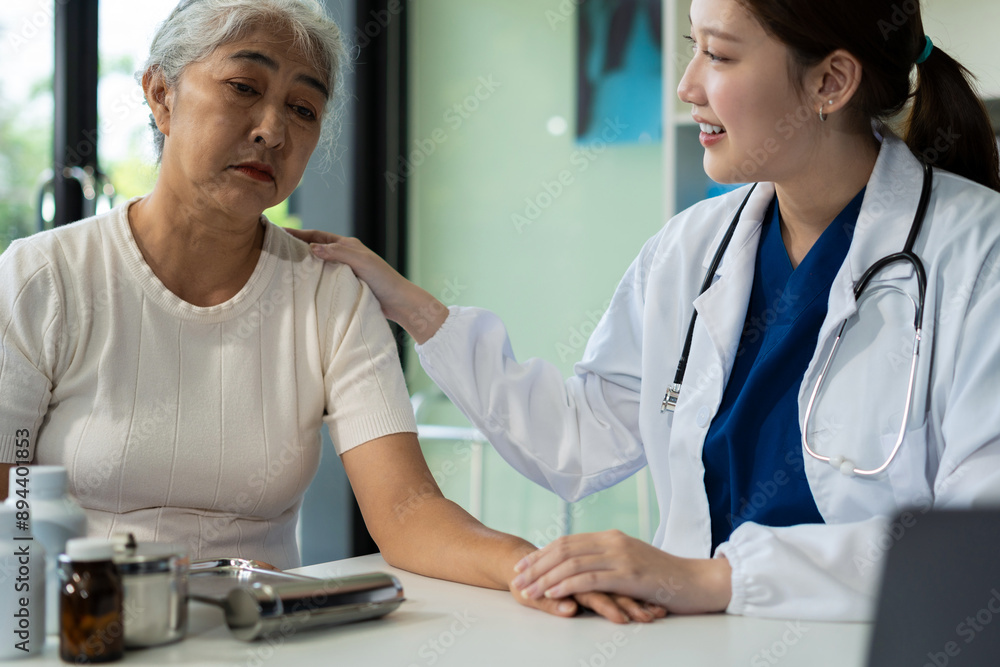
x=614, y=563
x=411, y=307
x=615, y=608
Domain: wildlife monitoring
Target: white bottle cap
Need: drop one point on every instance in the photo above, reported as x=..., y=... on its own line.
x=89, y=549
x=43, y=482
x=7, y=518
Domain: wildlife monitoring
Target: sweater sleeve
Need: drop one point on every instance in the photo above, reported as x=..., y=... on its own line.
x=30, y=324
x=366, y=396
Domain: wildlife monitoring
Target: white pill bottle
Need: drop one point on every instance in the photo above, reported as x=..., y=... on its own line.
x=22, y=587
x=55, y=519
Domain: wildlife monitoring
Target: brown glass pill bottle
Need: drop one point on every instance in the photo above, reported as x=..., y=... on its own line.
x=91, y=626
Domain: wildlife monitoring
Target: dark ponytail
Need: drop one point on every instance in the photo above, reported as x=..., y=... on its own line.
x=947, y=125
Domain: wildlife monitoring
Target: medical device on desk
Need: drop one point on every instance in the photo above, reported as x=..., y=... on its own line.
x=844, y=465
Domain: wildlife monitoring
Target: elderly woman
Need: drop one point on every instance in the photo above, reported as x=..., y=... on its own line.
x=179, y=354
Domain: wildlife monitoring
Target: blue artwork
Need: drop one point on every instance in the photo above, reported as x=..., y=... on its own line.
x=619, y=71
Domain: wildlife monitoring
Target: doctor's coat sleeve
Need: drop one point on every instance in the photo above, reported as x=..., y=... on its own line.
x=31, y=336
x=573, y=436
x=832, y=572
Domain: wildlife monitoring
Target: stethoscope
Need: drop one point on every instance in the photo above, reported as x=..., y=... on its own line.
x=844, y=465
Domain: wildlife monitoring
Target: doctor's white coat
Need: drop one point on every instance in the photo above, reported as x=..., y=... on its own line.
x=583, y=434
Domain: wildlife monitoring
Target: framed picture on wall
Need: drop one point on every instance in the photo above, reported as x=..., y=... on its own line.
x=619, y=71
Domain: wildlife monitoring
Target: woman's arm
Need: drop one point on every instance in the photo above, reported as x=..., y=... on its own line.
x=418, y=529
x=415, y=526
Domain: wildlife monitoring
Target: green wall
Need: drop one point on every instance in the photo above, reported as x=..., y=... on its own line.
x=486, y=78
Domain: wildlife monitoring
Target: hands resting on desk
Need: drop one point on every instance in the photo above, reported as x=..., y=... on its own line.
x=614, y=562
x=608, y=572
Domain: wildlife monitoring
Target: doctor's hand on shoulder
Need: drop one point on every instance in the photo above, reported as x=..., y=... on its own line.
x=410, y=306
x=617, y=564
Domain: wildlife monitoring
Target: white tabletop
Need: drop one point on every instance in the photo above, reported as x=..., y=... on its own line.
x=443, y=624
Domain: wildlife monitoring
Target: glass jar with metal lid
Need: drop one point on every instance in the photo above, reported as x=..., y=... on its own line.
x=155, y=579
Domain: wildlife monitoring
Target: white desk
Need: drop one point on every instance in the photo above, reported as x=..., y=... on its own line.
x=443, y=624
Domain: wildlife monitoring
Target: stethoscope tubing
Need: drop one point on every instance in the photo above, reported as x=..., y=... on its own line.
x=670, y=398
x=844, y=465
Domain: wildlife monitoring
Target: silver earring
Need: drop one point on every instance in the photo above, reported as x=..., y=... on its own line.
x=823, y=116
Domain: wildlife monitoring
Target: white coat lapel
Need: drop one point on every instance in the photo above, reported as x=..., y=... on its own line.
x=888, y=208
x=722, y=309
x=721, y=314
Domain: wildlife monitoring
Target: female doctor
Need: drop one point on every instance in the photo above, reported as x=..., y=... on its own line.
x=816, y=401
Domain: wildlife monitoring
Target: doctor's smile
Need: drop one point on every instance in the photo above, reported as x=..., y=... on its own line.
x=710, y=134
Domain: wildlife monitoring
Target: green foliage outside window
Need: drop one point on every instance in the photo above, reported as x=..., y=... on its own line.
x=25, y=153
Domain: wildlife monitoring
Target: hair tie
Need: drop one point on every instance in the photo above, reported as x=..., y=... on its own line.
x=928, y=47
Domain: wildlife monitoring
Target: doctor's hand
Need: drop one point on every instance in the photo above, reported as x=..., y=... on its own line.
x=615, y=608
x=614, y=563
x=412, y=307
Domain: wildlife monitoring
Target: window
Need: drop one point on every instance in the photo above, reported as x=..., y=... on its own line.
x=26, y=108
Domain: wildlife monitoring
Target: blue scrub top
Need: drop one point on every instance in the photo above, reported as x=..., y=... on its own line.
x=753, y=452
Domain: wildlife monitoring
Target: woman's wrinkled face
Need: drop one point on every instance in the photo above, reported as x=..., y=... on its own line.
x=755, y=124
x=242, y=123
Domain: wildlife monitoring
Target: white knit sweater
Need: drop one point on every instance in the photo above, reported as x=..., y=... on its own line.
x=198, y=426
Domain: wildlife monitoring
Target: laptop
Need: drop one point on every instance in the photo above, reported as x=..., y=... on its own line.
x=939, y=605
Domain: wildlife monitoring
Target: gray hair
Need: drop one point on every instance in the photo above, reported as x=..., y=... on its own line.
x=195, y=28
